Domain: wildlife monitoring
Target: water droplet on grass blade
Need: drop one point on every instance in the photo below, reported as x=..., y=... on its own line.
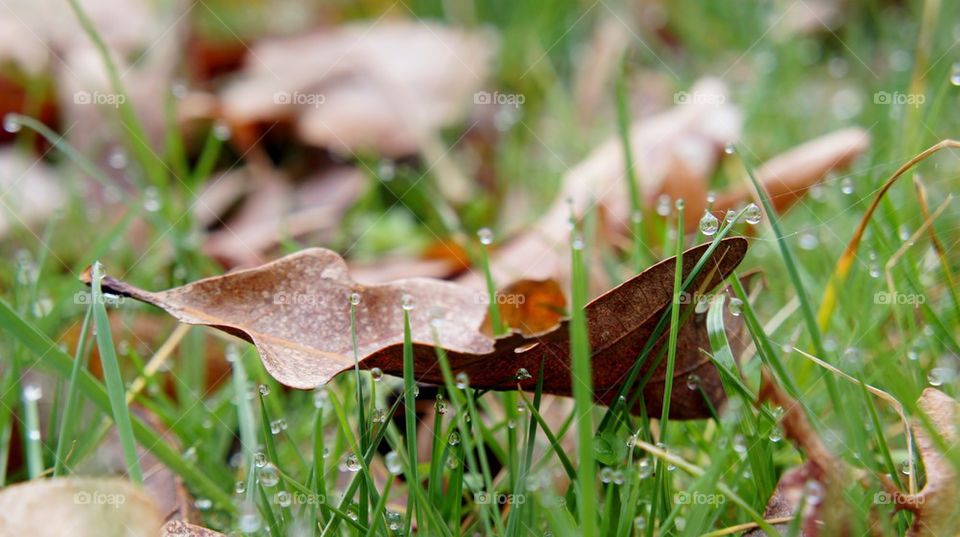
x=11, y=124
x=846, y=186
x=736, y=307
x=376, y=374
x=709, y=224
x=353, y=463
x=268, y=475
x=485, y=236
x=393, y=463
x=463, y=380
x=752, y=214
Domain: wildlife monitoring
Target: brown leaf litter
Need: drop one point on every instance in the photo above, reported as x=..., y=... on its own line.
x=296, y=311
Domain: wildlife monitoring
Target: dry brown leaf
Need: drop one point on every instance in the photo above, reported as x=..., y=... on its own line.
x=935, y=507
x=528, y=306
x=364, y=86
x=296, y=311
x=821, y=470
x=789, y=175
x=276, y=209
x=79, y=507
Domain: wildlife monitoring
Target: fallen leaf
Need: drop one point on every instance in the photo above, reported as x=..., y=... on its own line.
x=79, y=507
x=296, y=311
x=935, y=507
x=528, y=306
x=363, y=86
x=788, y=176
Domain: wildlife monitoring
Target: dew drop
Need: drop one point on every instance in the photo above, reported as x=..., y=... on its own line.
x=353, y=463
x=463, y=380
x=752, y=214
x=776, y=435
x=32, y=392
x=11, y=124
x=268, y=475
x=392, y=460
x=606, y=474
x=709, y=224
x=407, y=302
x=846, y=186
x=376, y=374
x=117, y=159
x=441, y=405
x=379, y=415
x=736, y=307
x=454, y=438
x=679, y=204
x=485, y=236
x=354, y=299
x=730, y=217
x=644, y=469
x=905, y=467
x=283, y=498
x=730, y=149
x=693, y=382
x=955, y=74
x=663, y=205
x=264, y=390
x=259, y=459
x=221, y=131
x=523, y=374
x=640, y=523
x=240, y=487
